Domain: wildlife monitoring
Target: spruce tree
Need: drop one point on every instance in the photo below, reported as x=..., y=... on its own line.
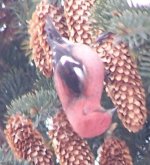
x=33, y=127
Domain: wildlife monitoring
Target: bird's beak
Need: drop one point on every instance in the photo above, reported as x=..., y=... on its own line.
x=101, y=109
x=110, y=111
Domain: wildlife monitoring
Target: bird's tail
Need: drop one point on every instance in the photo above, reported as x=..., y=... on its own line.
x=52, y=34
x=59, y=45
x=103, y=36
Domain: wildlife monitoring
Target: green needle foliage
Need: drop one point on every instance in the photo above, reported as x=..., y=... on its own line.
x=37, y=105
x=130, y=24
x=7, y=158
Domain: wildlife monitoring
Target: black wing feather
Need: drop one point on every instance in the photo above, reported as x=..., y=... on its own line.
x=62, y=47
x=71, y=79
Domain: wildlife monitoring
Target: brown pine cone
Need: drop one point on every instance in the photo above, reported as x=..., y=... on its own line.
x=41, y=53
x=124, y=84
x=69, y=148
x=114, y=151
x=26, y=142
x=77, y=14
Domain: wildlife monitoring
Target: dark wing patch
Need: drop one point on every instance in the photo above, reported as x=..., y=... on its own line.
x=58, y=51
x=73, y=79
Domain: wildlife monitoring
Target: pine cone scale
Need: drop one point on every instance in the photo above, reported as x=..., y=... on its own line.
x=41, y=53
x=26, y=142
x=68, y=146
x=114, y=151
x=124, y=85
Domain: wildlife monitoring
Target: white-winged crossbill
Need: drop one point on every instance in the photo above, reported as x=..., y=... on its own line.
x=78, y=77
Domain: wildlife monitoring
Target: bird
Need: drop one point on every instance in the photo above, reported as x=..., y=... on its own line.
x=78, y=78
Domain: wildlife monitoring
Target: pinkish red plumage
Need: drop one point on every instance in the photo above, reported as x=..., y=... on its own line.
x=78, y=76
x=84, y=112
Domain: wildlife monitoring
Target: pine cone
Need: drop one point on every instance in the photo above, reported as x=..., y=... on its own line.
x=77, y=14
x=26, y=142
x=68, y=146
x=41, y=53
x=115, y=152
x=124, y=85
